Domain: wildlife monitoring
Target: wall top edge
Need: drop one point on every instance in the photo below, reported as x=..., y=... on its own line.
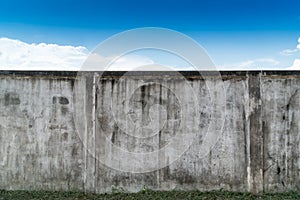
x=150, y=73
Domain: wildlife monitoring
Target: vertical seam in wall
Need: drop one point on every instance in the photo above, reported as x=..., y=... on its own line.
x=85, y=138
x=248, y=155
x=262, y=130
x=94, y=126
x=256, y=133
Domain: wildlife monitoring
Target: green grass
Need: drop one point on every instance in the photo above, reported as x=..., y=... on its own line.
x=145, y=194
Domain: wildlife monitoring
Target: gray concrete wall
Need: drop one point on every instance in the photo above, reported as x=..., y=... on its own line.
x=55, y=128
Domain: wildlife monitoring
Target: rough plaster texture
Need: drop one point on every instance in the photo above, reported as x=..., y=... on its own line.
x=256, y=150
x=280, y=122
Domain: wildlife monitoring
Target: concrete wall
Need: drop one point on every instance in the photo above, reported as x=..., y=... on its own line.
x=54, y=131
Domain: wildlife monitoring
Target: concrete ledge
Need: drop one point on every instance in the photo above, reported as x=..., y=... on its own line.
x=150, y=73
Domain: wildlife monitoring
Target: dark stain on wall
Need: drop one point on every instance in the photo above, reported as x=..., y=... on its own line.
x=11, y=98
x=63, y=100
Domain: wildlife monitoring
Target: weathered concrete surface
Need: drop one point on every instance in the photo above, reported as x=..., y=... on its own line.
x=224, y=167
x=281, y=102
x=39, y=148
x=46, y=145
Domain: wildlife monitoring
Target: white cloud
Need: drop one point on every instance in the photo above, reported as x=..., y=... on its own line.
x=295, y=66
x=18, y=55
x=290, y=52
x=251, y=64
x=296, y=63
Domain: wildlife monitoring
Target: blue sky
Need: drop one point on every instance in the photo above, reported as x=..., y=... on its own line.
x=232, y=31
